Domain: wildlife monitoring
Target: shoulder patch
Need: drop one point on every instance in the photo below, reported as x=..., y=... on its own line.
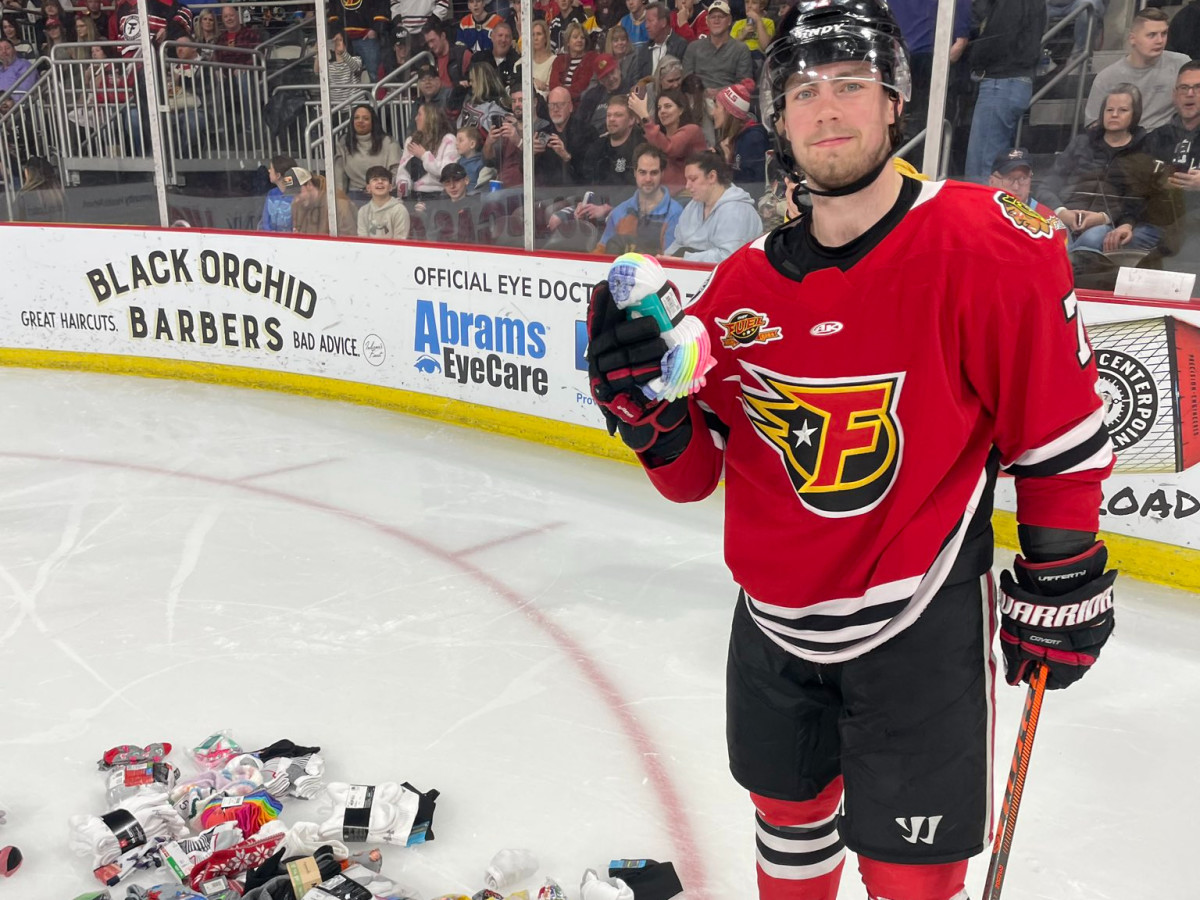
x=1022, y=217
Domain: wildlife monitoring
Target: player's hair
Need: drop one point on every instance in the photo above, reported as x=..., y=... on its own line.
x=648, y=149
x=1149, y=14
x=1135, y=97
x=708, y=161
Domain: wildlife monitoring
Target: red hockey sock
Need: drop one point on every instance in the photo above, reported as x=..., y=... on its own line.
x=800, y=853
x=893, y=881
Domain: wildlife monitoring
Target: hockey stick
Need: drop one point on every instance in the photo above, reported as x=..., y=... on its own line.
x=1016, y=783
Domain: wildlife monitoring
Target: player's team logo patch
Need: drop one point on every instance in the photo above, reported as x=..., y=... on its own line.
x=747, y=327
x=1022, y=217
x=839, y=439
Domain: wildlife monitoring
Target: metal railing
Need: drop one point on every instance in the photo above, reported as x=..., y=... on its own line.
x=26, y=127
x=1077, y=61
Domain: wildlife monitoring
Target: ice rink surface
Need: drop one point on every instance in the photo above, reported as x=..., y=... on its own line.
x=537, y=635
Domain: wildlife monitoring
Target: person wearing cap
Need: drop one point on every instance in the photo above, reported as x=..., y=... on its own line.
x=739, y=138
x=451, y=218
x=1012, y=171
x=382, y=216
x=430, y=88
x=865, y=393
x=310, y=206
x=663, y=41
x=719, y=61
x=401, y=44
x=594, y=102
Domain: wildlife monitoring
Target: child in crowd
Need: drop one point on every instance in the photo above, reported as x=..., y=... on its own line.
x=383, y=216
x=470, y=153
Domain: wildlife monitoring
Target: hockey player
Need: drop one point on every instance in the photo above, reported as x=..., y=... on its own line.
x=874, y=370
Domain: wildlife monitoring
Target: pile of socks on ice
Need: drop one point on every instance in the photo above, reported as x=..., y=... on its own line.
x=216, y=834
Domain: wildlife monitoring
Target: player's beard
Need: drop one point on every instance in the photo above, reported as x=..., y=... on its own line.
x=831, y=171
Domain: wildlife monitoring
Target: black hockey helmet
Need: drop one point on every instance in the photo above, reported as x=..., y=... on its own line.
x=818, y=32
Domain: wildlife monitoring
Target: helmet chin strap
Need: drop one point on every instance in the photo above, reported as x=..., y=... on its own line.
x=853, y=187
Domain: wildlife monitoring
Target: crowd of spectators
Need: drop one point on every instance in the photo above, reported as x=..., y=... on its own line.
x=645, y=115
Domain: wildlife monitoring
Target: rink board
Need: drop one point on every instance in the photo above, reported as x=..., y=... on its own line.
x=495, y=339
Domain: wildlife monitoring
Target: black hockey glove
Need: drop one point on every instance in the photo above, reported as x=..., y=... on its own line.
x=624, y=354
x=1057, y=613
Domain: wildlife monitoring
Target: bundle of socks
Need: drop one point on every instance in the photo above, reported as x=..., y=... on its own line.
x=142, y=818
x=596, y=888
x=337, y=886
x=183, y=856
x=189, y=795
x=383, y=812
x=242, y=857
x=298, y=776
x=215, y=750
x=251, y=811
x=131, y=754
x=304, y=839
x=125, y=780
x=274, y=879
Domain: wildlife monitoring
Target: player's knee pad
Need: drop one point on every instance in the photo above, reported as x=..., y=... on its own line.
x=896, y=881
x=799, y=850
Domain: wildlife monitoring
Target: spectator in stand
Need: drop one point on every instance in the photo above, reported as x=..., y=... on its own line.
x=183, y=100
x=430, y=88
x=207, y=30
x=610, y=161
x=237, y=34
x=594, y=102
x=452, y=217
x=277, y=207
x=344, y=69
x=365, y=147
x=564, y=143
x=674, y=133
x=383, y=216
x=429, y=149
x=1102, y=181
x=633, y=60
x=720, y=61
x=688, y=22
x=634, y=22
x=1003, y=58
x=98, y=15
x=543, y=57
x=475, y=28
x=86, y=33
x=469, y=142
x=605, y=14
x=574, y=67
x=12, y=69
x=363, y=21
x=646, y=222
x=487, y=98
x=502, y=148
x=1176, y=146
x=697, y=99
x=720, y=218
x=664, y=42
x=414, y=14
x=41, y=196
x=56, y=33
x=1012, y=171
x=1148, y=66
x=1183, y=33
x=505, y=57
x=12, y=33
x=95, y=108
x=310, y=205
x=740, y=139
x=669, y=77
x=917, y=20
x=756, y=31
x=452, y=61
x=169, y=21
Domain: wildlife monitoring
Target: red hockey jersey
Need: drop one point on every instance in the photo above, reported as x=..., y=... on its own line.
x=169, y=20
x=859, y=410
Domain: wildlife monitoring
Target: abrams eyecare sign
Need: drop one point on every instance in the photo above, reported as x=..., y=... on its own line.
x=500, y=330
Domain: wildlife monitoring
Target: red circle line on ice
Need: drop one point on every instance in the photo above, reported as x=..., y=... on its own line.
x=675, y=814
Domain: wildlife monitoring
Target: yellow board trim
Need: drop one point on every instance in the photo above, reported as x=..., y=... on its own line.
x=1148, y=560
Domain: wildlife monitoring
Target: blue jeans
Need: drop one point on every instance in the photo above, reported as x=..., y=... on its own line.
x=368, y=50
x=1145, y=237
x=998, y=109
